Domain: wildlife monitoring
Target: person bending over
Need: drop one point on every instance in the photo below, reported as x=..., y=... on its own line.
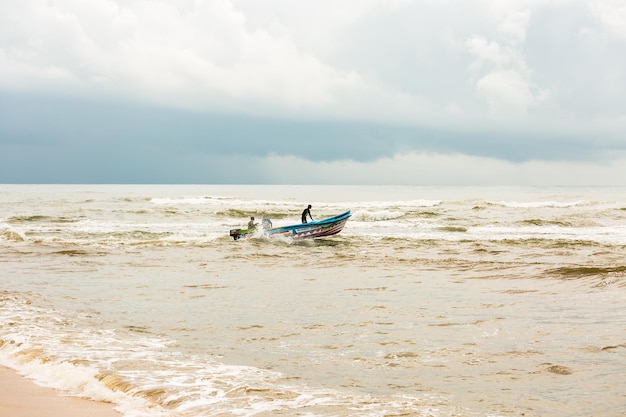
x=267, y=223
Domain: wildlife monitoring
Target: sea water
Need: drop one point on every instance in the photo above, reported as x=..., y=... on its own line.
x=433, y=301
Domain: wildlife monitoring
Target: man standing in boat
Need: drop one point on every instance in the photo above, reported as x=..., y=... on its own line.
x=307, y=211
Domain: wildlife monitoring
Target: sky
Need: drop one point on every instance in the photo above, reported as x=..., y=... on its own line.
x=408, y=92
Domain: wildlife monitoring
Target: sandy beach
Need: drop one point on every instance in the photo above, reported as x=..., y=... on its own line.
x=20, y=397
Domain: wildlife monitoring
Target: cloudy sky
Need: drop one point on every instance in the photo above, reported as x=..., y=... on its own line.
x=426, y=92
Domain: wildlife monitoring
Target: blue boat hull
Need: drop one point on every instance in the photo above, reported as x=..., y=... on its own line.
x=320, y=228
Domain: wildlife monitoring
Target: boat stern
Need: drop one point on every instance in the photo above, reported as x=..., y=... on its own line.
x=235, y=233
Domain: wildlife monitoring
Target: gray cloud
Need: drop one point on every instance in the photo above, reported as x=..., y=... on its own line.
x=165, y=91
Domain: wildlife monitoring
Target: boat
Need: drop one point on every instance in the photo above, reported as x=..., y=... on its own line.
x=320, y=228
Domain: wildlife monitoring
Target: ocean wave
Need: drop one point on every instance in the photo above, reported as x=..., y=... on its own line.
x=538, y=204
x=540, y=222
x=146, y=376
x=12, y=236
x=453, y=229
x=375, y=216
x=574, y=272
x=191, y=200
x=157, y=217
x=42, y=219
x=363, y=226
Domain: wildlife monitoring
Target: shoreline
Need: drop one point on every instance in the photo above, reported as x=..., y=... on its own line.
x=22, y=397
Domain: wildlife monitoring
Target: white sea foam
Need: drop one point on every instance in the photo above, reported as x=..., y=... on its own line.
x=609, y=235
x=539, y=204
x=375, y=216
x=56, y=352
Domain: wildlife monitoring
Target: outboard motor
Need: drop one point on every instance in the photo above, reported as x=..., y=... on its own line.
x=235, y=233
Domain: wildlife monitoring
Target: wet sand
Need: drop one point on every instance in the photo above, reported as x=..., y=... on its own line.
x=20, y=397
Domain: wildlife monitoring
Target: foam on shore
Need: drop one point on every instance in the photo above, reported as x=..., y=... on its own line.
x=20, y=397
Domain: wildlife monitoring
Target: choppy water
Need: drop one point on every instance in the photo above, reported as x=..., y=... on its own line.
x=431, y=302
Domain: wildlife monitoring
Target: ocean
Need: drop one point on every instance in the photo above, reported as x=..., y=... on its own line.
x=433, y=301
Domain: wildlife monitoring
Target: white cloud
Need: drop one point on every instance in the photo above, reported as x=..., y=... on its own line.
x=490, y=52
x=436, y=63
x=157, y=51
x=612, y=15
x=503, y=79
x=506, y=91
x=514, y=25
